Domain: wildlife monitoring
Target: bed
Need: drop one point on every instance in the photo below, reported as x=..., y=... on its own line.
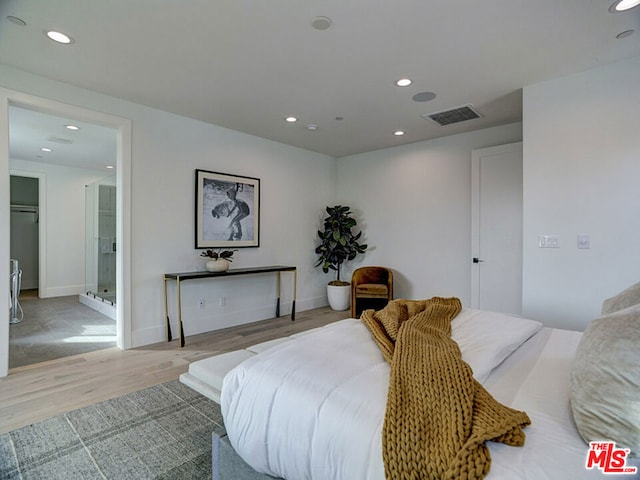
x=312, y=406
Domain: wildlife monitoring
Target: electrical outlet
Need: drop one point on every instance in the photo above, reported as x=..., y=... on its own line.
x=201, y=304
x=584, y=241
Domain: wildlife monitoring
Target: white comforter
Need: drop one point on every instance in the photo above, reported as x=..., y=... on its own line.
x=313, y=407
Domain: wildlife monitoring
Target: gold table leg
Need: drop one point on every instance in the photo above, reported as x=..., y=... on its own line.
x=293, y=305
x=166, y=311
x=278, y=301
x=180, y=314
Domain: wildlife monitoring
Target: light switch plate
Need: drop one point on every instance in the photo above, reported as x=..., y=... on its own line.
x=548, y=241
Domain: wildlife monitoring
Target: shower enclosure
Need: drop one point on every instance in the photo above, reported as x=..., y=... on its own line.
x=100, y=243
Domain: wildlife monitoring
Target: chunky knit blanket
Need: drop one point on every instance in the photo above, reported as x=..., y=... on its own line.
x=438, y=417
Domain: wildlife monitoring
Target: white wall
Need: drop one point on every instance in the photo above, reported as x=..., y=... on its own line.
x=166, y=149
x=581, y=169
x=414, y=204
x=64, y=221
x=581, y=164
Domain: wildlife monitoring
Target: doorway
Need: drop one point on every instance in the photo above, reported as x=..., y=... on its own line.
x=122, y=129
x=24, y=229
x=496, y=226
x=53, y=323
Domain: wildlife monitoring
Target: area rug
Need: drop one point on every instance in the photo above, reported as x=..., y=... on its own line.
x=162, y=432
x=227, y=464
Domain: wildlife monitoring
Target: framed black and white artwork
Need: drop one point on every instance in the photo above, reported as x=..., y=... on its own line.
x=227, y=210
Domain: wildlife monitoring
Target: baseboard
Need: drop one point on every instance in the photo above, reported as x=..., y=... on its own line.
x=220, y=320
x=65, y=291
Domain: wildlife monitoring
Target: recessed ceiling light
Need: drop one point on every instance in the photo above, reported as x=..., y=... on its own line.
x=625, y=34
x=110, y=167
x=72, y=127
x=291, y=119
x=623, y=5
x=321, y=23
x=312, y=127
x=45, y=149
x=404, y=82
x=17, y=21
x=59, y=37
x=398, y=133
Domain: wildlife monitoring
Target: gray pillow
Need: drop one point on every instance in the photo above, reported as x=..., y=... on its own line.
x=626, y=298
x=605, y=381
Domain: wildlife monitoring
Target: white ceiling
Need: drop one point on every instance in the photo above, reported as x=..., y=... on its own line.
x=91, y=146
x=247, y=64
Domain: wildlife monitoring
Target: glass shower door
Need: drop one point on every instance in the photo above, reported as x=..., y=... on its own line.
x=101, y=245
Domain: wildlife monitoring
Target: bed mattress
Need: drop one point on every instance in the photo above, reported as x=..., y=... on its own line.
x=313, y=407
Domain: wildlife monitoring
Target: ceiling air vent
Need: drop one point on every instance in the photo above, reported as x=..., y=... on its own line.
x=455, y=115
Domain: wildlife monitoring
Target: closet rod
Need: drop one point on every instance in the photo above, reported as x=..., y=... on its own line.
x=25, y=208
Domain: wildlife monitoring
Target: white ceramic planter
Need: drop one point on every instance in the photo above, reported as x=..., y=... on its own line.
x=339, y=296
x=217, y=265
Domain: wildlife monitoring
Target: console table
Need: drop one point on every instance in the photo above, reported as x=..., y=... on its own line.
x=181, y=277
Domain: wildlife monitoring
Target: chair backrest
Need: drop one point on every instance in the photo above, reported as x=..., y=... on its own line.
x=372, y=275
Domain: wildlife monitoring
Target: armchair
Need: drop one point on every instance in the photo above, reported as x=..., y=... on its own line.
x=371, y=287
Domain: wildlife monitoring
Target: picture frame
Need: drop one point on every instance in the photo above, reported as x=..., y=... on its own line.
x=227, y=210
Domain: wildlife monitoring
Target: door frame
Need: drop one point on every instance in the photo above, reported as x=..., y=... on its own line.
x=476, y=155
x=42, y=213
x=123, y=208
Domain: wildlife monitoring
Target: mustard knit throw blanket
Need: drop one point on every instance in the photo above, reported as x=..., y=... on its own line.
x=438, y=416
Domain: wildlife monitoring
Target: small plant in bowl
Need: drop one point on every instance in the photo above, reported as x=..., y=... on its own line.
x=218, y=259
x=216, y=254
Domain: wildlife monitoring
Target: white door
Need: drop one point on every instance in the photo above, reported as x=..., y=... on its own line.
x=496, y=225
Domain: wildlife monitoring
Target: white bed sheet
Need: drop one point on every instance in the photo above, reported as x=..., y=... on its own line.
x=326, y=420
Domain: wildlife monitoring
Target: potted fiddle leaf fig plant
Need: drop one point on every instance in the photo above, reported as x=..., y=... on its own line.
x=338, y=244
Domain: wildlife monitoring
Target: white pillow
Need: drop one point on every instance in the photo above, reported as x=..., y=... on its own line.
x=605, y=380
x=487, y=338
x=626, y=298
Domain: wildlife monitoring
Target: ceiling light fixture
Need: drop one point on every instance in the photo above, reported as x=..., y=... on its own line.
x=291, y=119
x=312, y=127
x=45, y=149
x=59, y=37
x=72, y=127
x=110, y=167
x=624, y=34
x=623, y=5
x=17, y=21
x=398, y=133
x=404, y=82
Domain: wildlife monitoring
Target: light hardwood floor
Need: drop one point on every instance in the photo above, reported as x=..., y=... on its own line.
x=35, y=392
